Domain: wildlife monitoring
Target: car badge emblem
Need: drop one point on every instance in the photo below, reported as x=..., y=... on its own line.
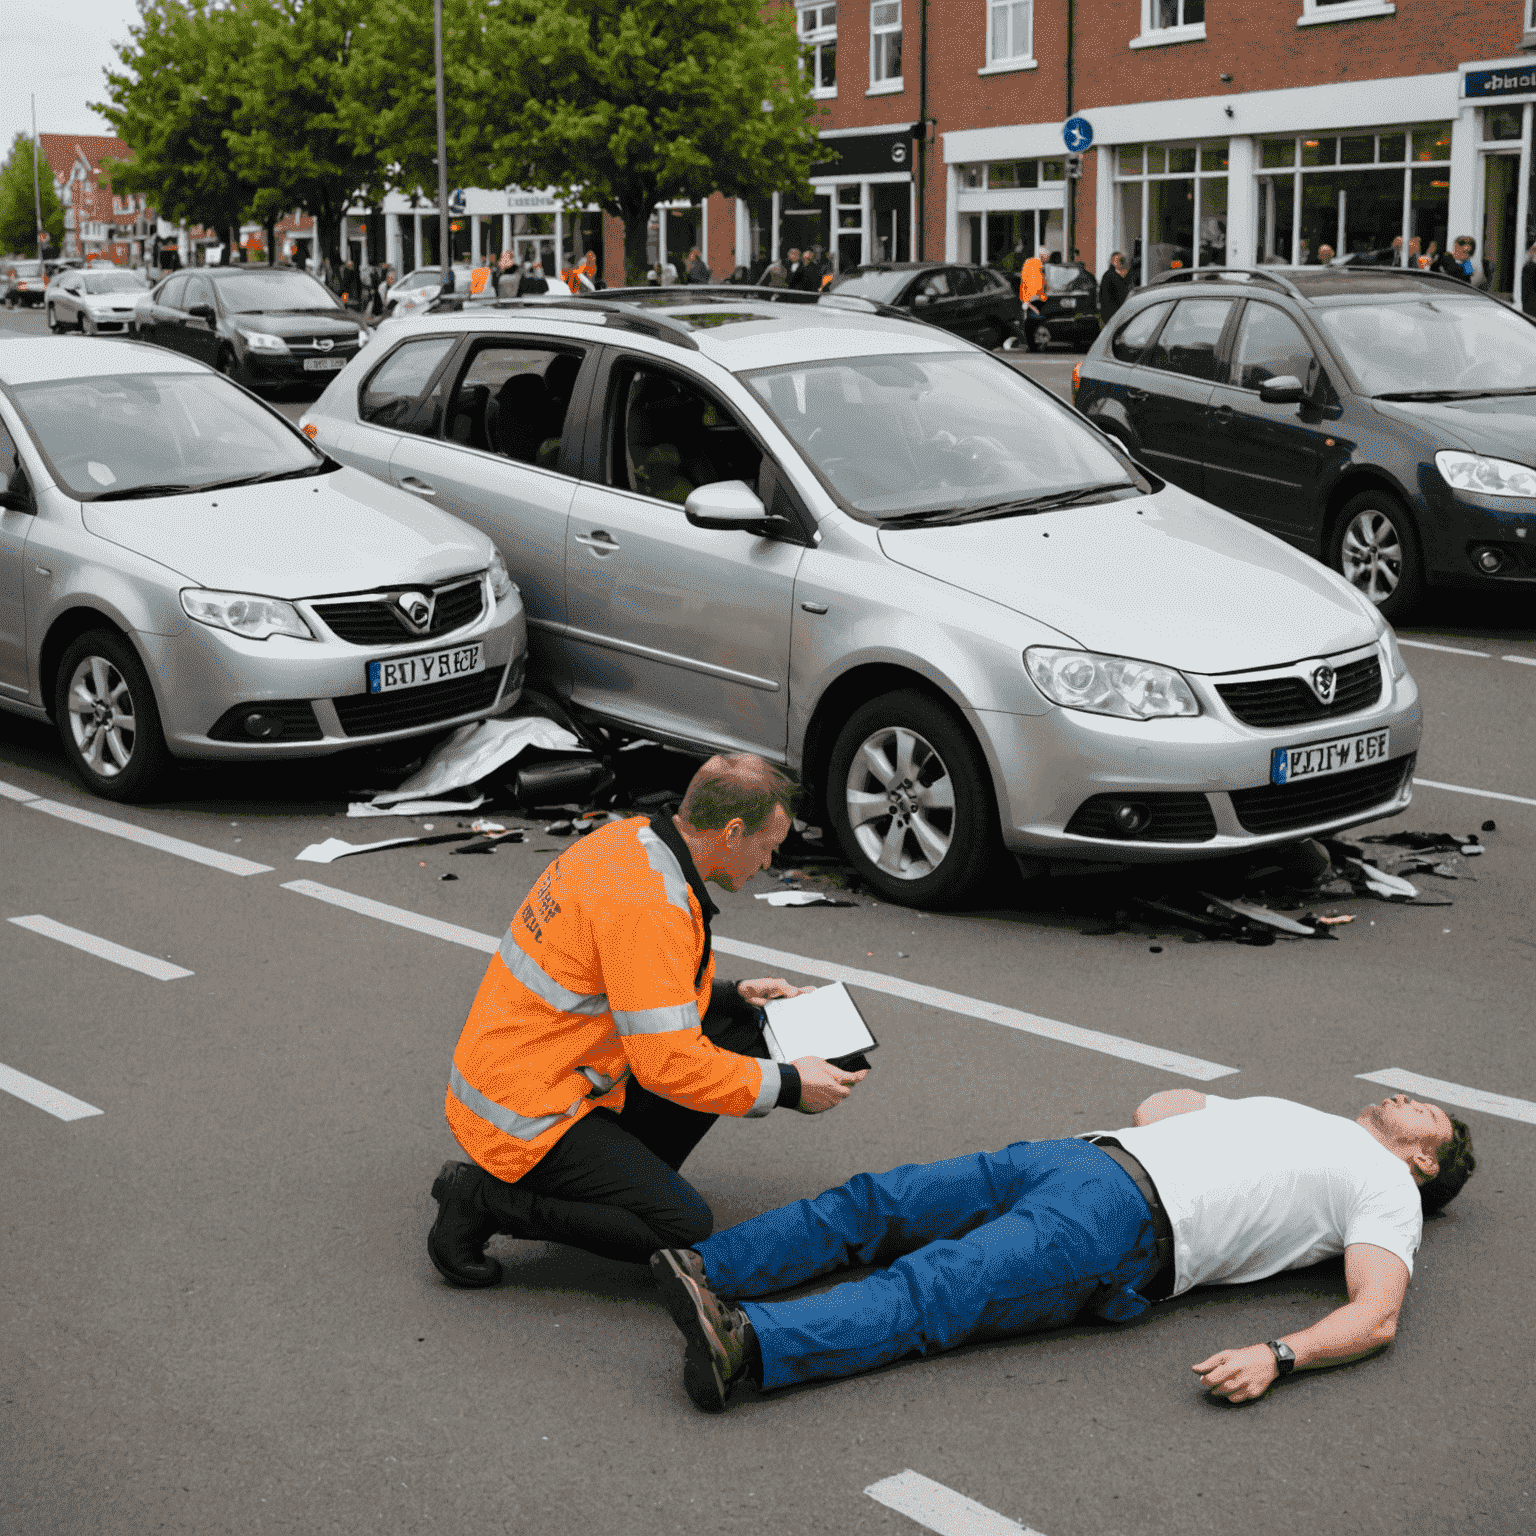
x=416, y=607
x=1324, y=680
x=323, y=343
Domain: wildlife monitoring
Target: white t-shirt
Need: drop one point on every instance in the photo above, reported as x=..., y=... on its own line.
x=1254, y=1186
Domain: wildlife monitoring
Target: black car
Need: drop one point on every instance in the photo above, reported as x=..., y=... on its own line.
x=974, y=302
x=262, y=326
x=1384, y=420
x=1069, y=311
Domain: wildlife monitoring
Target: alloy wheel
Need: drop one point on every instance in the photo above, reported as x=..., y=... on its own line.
x=900, y=799
x=101, y=716
x=1371, y=554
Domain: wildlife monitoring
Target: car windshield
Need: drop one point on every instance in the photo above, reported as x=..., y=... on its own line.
x=938, y=437
x=116, y=436
x=27, y=268
x=250, y=293
x=1059, y=279
x=1445, y=344
x=882, y=287
x=114, y=282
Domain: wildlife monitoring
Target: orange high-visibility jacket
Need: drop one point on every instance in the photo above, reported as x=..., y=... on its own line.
x=1031, y=281
x=605, y=970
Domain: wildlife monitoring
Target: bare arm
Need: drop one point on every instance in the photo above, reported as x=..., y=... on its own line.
x=1377, y=1282
x=1161, y=1106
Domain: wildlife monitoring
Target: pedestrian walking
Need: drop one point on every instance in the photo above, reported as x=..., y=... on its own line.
x=697, y=271
x=1114, y=286
x=1032, y=278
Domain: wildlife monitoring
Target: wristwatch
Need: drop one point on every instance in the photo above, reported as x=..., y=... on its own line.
x=1285, y=1357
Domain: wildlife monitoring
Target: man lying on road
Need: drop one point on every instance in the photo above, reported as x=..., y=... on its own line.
x=1199, y=1190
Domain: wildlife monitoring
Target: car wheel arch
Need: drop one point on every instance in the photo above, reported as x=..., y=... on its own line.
x=65, y=629
x=1353, y=483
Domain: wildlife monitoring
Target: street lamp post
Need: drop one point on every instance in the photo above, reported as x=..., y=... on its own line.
x=37, y=188
x=444, y=261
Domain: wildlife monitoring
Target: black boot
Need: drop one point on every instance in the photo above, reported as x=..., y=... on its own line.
x=456, y=1243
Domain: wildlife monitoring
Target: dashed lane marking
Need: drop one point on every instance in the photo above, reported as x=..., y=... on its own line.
x=103, y=949
x=1524, y=661
x=873, y=981
x=940, y=1509
x=214, y=858
x=1450, y=650
x=54, y=1101
x=1462, y=789
x=1454, y=1093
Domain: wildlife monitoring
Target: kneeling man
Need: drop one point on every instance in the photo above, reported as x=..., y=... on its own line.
x=1199, y=1190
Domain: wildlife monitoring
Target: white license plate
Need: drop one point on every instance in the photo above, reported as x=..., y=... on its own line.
x=418, y=671
x=1069, y=303
x=324, y=364
x=1319, y=758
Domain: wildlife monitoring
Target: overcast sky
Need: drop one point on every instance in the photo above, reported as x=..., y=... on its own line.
x=61, y=55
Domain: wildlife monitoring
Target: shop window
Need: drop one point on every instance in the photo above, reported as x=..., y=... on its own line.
x=885, y=44
x=1053, y=170
x=1010, y=31
x=1173, y=213
x=1170, y=21
x=1432, y=142
x=1501, y=123
x=1013, y=173
x=973, y=177
x=818, y=44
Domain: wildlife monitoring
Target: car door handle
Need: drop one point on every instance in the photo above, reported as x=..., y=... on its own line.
x=1222, y=415
x=598, y=542
x=1135, y=395
x=419, y=487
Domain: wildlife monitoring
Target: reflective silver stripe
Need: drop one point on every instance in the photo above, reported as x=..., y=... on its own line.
x=664, y=862
x=601, y=1082
x=520, y=1126
x=768, y=1094
x=542, y=984
x=656, y=1021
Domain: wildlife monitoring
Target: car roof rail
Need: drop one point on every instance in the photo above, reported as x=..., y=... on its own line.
x=1228, y=275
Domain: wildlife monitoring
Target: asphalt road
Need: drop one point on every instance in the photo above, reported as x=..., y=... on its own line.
x=218, y=1315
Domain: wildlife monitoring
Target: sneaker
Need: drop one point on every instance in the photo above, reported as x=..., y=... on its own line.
x=456, y=1243
x=689, y=1260
x=719, y=1337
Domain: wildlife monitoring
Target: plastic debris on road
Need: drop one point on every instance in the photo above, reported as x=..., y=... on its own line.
x=475, y=751
x=415, y=807
x=334, y=848
x=801, y=899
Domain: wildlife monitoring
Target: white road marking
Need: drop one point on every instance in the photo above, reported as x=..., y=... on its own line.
x=940, y=1509
x=15, y=792
x=103, y=949
x=1524, y=661
x=1462, y=789
x=1450, y=650
x=54, y=1100
x=874, y=981
x=212, y=857
x=1454, y=1093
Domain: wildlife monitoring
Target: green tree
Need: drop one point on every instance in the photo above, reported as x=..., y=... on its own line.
x=18, y=208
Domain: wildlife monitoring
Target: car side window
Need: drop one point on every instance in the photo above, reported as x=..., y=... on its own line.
x=963, y=282
x=199, y=291
x=1269, y=346
x=513, y=400
x=13, y=478
x=667, y=437
x=1187, y=344
x=170, y=295
x=934, y=286
x=392, y=392
x=1132, y=337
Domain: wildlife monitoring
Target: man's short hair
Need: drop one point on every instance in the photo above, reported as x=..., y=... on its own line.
x=1456, y=1166
x=736, y=784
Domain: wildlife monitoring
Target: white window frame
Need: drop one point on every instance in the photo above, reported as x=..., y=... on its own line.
x=1154, y=36
x=1024, y=60
x=1530, y=24
x=1320, y=13
x=893, y=83
x=812, y=42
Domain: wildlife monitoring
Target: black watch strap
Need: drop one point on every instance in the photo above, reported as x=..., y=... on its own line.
x=1285, y=1356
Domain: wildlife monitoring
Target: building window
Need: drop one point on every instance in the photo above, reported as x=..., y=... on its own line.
x=1011, y=31
x=1170, y=21
x=818, y=42
x=1172, y=205
x=1319, y=12
x=885, y=44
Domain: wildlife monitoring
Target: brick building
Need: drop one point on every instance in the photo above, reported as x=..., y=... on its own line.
x=97, y=222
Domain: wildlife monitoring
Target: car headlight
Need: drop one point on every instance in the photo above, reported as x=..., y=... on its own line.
x=1109, y=685
x=502, y=585
x=1395, y=663
x=254, y=618
x=1488, y=477
x=263, y=341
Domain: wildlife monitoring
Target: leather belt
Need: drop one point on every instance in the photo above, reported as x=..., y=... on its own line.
x=1161, y=1284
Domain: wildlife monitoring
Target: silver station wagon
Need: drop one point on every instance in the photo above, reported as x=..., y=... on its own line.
x=877, y=554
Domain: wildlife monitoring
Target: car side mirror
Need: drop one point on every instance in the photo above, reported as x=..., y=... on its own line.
x=730, y=505
x=1283, y=389
x=203, y=312
x=922, y=298
x=17, y=501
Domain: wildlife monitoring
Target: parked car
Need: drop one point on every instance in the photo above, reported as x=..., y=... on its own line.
x=1381, y=419
x=800, y=526
x=261, y=326
x=974, y=302
x=417, y=289
x=1069, y=311
x=182, y=573
x=28, y=279
x=97, y=300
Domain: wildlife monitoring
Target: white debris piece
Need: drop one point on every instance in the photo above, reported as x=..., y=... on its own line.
x=796, y=899
x=1257, y=914
x=1382, y=883
x=415, y=807
x=473, y=751
x=333, y=848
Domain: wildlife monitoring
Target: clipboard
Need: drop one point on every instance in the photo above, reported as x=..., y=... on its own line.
x=825, y=1023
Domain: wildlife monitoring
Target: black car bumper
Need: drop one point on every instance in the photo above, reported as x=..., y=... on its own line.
x=1478, y=541
x=289, y=367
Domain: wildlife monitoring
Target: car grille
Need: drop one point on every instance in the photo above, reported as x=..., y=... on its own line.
x=297, y=715
x=371, y=714
x=1284, y=807
x=377, y=621
x=1291, y=701
x=1184, y=817
x=341, y=346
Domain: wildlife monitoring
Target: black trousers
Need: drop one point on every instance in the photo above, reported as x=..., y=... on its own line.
x=611, y=1184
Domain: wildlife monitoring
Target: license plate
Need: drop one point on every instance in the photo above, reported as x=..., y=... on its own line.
x=1069, y=303
x=1319, y=758
x=418, y=671
x=324, y=364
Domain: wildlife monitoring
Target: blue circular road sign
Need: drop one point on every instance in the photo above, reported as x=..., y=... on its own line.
x=1078, y=133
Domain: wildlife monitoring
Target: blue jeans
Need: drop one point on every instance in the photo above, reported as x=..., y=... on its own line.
x=977, y=1246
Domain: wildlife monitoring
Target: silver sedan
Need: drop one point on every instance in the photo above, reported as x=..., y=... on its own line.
x=97, y=300
x=183, y=574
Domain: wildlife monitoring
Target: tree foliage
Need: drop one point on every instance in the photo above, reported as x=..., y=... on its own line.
x=18, y=208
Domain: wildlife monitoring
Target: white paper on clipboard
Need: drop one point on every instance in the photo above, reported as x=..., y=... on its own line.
x=825, y=1023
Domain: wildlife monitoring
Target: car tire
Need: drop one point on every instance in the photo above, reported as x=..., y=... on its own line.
x=229, y=365
x=53, y=320
x=100, y=685
x=907, y=751
x=1375, y=547
x=994, y=337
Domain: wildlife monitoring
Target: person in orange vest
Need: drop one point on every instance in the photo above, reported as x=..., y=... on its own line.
x=1032, y=279
x=600, y=1049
